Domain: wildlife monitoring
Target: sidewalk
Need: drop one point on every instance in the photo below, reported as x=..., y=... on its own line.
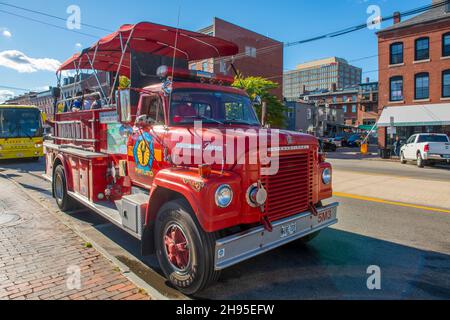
x=41, y=258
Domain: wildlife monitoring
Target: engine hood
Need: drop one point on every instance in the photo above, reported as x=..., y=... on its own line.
x=231, y=144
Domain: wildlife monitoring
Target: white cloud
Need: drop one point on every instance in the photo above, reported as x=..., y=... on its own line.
x=20, y=62
x=5, y=95
x=6, y=33
x=78, y=45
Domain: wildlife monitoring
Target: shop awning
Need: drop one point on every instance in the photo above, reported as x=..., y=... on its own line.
x=415, y=116
x=367, y=127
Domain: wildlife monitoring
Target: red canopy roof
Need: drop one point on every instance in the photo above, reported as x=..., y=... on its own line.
x=150, y=38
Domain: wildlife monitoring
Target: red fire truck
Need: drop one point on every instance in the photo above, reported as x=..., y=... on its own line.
x=122, y=158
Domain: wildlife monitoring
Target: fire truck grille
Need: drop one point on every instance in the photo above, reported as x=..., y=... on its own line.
x=290, y=190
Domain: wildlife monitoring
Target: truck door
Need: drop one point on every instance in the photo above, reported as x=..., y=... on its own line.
x=143, y=145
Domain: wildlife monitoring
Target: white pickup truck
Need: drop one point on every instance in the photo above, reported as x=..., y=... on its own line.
x=426, y=148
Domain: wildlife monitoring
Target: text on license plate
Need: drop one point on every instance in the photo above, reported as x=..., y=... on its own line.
x=288, y=230
x=324, y=216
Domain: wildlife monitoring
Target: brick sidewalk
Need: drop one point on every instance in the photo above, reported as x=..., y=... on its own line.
x=39, y=256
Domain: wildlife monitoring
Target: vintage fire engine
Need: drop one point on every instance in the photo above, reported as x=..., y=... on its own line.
x=197, y=217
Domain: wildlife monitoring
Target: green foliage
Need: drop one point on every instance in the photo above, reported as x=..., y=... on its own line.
x=258, y=86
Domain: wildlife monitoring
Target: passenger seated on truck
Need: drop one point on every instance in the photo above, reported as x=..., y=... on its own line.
x=97, y=102
x=183, y=112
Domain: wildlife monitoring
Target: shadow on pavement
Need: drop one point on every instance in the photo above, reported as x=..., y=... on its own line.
x=334, y=266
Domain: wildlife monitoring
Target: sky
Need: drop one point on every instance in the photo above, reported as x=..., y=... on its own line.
x=30, y=51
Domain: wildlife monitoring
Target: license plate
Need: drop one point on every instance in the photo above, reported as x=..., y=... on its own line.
x=19, y=155
x=288, y=230
x=324, y=216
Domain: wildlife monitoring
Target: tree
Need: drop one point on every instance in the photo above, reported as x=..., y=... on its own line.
x=258, y=86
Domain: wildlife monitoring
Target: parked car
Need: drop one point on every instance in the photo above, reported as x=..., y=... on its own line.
x=426, y=148
x=327, y=146
x=354, y=141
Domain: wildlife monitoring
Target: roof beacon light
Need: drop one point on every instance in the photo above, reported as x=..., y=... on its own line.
x=194, y=75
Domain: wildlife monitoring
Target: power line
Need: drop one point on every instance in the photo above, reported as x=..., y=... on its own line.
x=49, y=24
x=52, y=16
x=14, y=88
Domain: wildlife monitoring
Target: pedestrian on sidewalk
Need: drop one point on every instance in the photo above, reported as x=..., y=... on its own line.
x=397, y=146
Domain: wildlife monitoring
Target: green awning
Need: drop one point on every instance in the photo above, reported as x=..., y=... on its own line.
x=367, y=127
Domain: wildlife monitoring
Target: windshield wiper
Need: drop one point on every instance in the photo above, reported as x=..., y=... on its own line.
x=205, y=118
x=242, y=122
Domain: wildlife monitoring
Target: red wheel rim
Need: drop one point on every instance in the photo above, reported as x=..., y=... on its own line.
x=177, y=247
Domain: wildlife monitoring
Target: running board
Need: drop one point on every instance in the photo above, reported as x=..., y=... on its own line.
x=107, y=210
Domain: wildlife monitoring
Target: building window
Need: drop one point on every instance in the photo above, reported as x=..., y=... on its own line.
x=354, y=108
x=205, y=66
x=446, y=45
x=250, y=52
x=396, y=85
x=354, y=98
x=344, y=108
x=422, y=90
x=396, y=53
x=422, y=49
x=446, y=84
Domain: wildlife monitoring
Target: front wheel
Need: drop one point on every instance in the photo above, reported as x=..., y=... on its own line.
x=402, y=158
x=185, y=252
x=63, y=200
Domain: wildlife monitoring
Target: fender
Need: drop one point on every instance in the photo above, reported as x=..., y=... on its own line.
x=200, y=193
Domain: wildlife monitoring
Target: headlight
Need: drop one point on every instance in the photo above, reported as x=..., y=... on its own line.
x=38, y=145
x=224, y=196
x=326, y=176
x=1, y=147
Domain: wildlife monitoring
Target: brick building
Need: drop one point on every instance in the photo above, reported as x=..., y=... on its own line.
x=24, y=99
x=359, y=104
x=414, y=76
x=258, y=55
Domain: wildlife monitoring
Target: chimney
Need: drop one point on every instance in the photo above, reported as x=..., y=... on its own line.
x=446, y=4
x=333, y=87
x=398, y=17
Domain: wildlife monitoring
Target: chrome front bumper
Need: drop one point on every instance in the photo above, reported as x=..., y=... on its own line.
x=243, y=246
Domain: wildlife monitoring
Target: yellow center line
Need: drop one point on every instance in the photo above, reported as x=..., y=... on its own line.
x=394, y=203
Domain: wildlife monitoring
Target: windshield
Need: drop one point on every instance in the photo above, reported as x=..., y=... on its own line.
x=189, y=106
x=432, y=138
x=20, y=123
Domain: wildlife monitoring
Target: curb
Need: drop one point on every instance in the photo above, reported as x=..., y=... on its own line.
x=125, y=270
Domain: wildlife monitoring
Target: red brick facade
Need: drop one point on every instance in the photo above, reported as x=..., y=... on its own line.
x=434, y=66
x=265, y=59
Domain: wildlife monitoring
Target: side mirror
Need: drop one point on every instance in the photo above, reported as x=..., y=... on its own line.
x=124, y=106
x=257, y=101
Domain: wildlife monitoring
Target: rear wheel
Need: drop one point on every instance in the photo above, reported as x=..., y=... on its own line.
x=63, y=200
x=185, y=252
x=420, y=161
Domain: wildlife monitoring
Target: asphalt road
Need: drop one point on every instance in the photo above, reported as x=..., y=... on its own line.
x=410, y=246
x=391, y=168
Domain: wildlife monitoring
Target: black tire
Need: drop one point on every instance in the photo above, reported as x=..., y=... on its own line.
x=63, y=200
x=199, y=271
x=402, y=158
x=420, y=161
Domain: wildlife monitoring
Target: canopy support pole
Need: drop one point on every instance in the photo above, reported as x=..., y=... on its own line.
x=124, y=50
x=95, y=72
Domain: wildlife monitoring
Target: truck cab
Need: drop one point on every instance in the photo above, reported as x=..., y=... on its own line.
x=184, y=165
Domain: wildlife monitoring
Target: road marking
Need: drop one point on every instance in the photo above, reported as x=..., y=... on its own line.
x=394, y=203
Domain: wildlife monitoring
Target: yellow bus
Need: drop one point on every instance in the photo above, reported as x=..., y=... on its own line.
x=21, y=132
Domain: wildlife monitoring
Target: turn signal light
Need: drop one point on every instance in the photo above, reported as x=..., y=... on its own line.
x=426, y=148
